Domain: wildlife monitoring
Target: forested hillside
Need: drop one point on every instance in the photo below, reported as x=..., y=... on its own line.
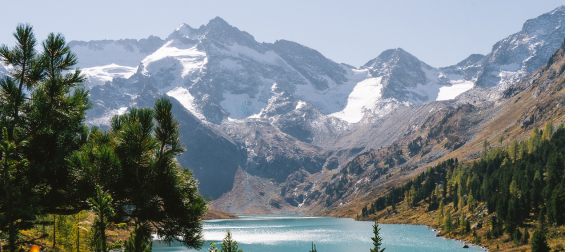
x=522, y=185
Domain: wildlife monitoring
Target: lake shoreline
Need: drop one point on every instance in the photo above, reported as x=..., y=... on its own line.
x=213, y=214
x=281, y=233
x=439, y=233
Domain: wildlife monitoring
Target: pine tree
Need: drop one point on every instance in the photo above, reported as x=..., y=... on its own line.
x=485, y=148
x=526, y=236
x=377, y=239
x=548, y=130
x=14, y=214
x=138, y=241
x=541, y=219
x=539, y=242
x=42, y=109
x=136, y=162
x=554, y=172
x=101, y=206
x=229, y=245
x=555, y=206
x=467, y=226
x=448, y=222
x=313, y=248
x=513, y=217
x=440, y=213
x=517, y=237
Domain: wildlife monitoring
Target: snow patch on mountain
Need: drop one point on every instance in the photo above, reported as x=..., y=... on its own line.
x=236, y=50
x=457, y=87
x=101, y=74
x=3, y=70
x=362, y=99
x=105, y=119
x=187, y=31
x=240, y=106
x=334, y=99
x=186, y=100
x=190, y=58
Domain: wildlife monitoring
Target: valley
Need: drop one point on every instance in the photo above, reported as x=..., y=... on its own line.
x=288, y=120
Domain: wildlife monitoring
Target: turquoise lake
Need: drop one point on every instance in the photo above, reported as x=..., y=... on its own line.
x=274, y=233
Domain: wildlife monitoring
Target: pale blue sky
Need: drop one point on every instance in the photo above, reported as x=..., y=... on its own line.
x=438, y=32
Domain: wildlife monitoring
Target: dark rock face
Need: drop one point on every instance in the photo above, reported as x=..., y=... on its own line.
x=309, y=63
x=212, y=156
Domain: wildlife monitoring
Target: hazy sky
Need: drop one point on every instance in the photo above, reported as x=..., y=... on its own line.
x=438, y=32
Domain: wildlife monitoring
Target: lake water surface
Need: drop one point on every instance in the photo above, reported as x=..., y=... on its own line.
x=276, y=233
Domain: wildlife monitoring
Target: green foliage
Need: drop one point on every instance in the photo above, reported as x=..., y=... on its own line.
x=448, y=222
x=526, y=236
x=516, y=182
x=539, y=242
x=59, y=163
x=135, y=161
x=415, y=190
x=230, y=245
x=377, y=239
x=212, y=247
x=102, y=207
x=313, y=248
x=139, y=241
x=42, y=110
x=517, y=237
x=440, y=213
x=467, y=226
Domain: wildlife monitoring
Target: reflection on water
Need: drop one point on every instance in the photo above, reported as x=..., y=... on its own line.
x=295, y=233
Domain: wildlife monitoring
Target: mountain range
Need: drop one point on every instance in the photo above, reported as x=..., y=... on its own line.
x=270, y=126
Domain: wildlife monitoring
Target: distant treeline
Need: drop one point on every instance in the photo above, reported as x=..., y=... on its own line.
x=519, y=181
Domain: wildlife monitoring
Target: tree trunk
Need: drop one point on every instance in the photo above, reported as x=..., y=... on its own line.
x=11, y=233
x=54, y=231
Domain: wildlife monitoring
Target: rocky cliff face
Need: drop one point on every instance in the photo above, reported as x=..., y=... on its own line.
x=522, y=53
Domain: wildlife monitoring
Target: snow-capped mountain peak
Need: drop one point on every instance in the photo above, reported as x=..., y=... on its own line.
x=225, y=73
x=520, y=54
x=185, y=31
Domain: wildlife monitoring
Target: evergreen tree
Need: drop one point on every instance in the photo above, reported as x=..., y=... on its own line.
x=548, y=130
x=229, y=245
x=539, y=242
x=313, y=248
x=59, y=164
x=496, y=227
x=42, y=110
x=526, y=236
x=377, y=239
x=136, y=162
x=448, y=222
x=513, y=217
x=138, y=242
x=467, y=226
x=517, y=237
x=440, y=213
x=541, y=219
x=556, y=204
x=485, y=148
x=101, y=206
x=554, y=172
